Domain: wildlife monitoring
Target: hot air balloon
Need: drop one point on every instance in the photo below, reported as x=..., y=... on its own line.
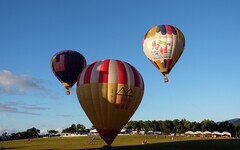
x=66, y=65
x=163, y=45
x=109, y=92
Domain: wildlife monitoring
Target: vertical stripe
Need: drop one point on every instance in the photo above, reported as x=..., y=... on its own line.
x=88, y=73
x=174, y=30
x=62, y=63
x=168, y=63
x=122, y=78
x=95, y=72
x=130, y=75
x=81, y=77
x=169, y=29
x=103, y=75
x=163, y=29
x=142, y=82
x=136, y=77
x=113, y=70
x=165, y=63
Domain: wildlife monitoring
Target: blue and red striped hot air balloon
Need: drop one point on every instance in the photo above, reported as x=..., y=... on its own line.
x=66, y=66
x=109, y=92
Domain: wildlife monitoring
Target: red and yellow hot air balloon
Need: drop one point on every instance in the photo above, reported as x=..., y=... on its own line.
x=109, y=92
x=163, y=45
x=66, y=65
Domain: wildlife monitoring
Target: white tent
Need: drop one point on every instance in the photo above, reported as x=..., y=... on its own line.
x=225, y=133
x=93, y=132
x=216, y=133
x=207, y=132
x=189, y=132
x=198, y=132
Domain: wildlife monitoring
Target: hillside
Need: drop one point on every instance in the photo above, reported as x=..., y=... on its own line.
x=235, y=121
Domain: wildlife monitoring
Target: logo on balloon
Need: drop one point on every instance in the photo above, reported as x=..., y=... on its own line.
x=125, y=92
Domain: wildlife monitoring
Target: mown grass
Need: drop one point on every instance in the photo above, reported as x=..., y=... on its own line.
x=125, y=142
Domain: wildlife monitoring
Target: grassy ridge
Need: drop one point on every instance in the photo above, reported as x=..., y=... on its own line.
x=126, y=142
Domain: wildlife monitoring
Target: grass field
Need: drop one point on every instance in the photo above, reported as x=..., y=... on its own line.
x=125, y=142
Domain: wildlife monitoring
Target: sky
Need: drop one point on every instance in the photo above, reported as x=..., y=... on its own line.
x=204, y=84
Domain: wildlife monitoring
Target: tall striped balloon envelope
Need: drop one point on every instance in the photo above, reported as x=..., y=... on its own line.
x=163, y=45
x=109, y=92
x=66, y=66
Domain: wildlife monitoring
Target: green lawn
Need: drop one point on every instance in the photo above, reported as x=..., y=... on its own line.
x=125, y=142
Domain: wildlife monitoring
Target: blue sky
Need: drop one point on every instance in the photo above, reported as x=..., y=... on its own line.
x=204, y=84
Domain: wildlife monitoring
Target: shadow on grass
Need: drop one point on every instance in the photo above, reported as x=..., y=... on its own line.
x=225, y=144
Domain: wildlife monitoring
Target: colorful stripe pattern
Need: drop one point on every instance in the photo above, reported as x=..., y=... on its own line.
x=163, y=45
x=109, y=92
x=110, y=71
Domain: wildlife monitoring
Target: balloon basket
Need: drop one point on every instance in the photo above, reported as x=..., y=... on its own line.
x=67, y=92
x=165, y=79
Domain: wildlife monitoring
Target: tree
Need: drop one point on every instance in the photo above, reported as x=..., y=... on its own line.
x=160, y=125
x=81, y=128
x=129, y=125
x=4, y=136
x=72, y=129
x=168, y=126
x=196, y=126
x=155, y=126
x=138, y=127
x=208, y=125
x=52, y=132
x=33, y=132
x=147, y=126
x=226, y=126
x=238, y=130
x=15, y=136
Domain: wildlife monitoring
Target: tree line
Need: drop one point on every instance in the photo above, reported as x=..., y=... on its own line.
x=35, y=133
x=28, y=134
x=181, y=126
x=165, y=127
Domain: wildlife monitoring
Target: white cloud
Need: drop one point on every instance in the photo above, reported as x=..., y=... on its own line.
x=20, y=108
x=45, y=131
x=9, y=131
x=15, y=84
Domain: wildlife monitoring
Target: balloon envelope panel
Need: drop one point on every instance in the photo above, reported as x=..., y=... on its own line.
x=163, y=45
x=109, y=92
x=66, y=65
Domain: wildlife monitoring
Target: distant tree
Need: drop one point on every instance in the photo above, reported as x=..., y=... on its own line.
x=81, y=128
x=4, y=136
x=237, y=130
x=160, y=125
x=176, y=126
x=187, y=125
x=226, y=126
x=138, y=127
x=167, y=126
x=52, y=132
x=155, y=125
x=15, y=136
x=33, y=132
x=129, y=125
x=208, y=125
x=148, y=126
x=196, y=126
x=73, y=128
x=141, y=125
